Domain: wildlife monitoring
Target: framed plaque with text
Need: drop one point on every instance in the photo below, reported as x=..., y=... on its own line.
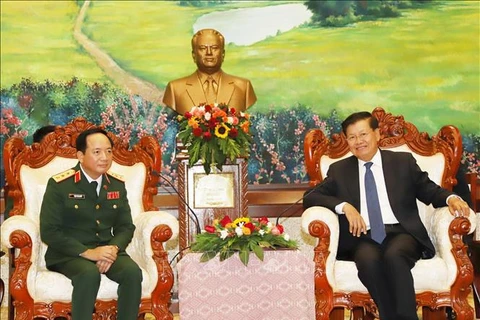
x=209, y=197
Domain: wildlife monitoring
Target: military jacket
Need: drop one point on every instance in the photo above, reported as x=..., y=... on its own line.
x=73, y=218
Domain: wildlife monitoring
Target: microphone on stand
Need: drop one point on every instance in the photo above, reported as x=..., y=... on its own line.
x=293, y=204
x=191, y=213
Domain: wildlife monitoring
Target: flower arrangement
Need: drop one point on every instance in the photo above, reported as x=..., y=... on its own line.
x=242, y=235
x=213, y=134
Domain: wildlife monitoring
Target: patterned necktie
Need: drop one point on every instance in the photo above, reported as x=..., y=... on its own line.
x=94, y=185
x=210, y=93
x=377, y=228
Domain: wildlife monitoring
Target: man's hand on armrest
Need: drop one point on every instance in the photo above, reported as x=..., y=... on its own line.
x=457, y=206
x=356, y=223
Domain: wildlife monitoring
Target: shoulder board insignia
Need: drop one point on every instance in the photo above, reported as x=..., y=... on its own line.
x=63, y=175
x=116, y=176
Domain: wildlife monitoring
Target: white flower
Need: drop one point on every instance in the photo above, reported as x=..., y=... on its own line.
x=286, y=237
x=230, y=120
x=239, y=231
x=223, y=234
x=262, y=232
x=207, y=116
x=269, y=225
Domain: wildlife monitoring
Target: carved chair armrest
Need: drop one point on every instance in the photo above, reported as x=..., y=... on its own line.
x=446, y=232
x=322, y=223
x=22, y=233
x=140, y=249
x=153, y=229
x=445, y=229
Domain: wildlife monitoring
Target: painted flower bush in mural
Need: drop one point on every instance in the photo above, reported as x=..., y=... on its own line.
x=10, y=125
x=277, y=150
x=276, y=147
x=214, y=134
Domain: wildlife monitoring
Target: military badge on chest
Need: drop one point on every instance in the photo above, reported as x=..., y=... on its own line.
x=76, y=196
x=113, y=195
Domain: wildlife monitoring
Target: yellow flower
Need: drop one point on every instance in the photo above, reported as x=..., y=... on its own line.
x=246, y=231
x=239, y=221
x=192, y=122
x=221, y=131
x=245, y=126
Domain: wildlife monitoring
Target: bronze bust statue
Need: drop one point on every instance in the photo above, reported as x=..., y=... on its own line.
x=208, y=84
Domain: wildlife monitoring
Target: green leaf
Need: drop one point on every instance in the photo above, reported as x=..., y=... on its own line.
x=265, y=244
x=243, y=254
x=208, y=255
x=257, y=250
x=224, y=255
x=206, y=167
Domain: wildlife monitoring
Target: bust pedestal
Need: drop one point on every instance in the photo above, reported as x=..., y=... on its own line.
x=205, y=197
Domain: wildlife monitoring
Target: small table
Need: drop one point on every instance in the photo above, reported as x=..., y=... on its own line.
x=280, y=287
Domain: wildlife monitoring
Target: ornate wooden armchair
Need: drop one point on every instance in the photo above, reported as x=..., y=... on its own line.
x=38, y=292
x=441, y=281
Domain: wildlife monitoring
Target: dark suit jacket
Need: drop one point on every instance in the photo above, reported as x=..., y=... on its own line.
x=184, y=93
x=405, y=183
x=73, y=219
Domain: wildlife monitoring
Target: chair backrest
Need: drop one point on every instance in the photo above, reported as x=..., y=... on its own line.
x=28, y=169
x=438, y=155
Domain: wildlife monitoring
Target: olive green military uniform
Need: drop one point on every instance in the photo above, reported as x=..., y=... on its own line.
x=73, y=219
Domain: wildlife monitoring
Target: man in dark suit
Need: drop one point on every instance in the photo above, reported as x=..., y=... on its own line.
x=86, y=222
x=209, y=84
x=374, y=193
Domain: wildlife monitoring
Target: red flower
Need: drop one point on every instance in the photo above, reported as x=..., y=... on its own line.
x=233, y=133
x=226, y=220
x=210, y=229
x=212, y=123
x=250, y=226
x=207, y=135
x=188, y=115
x=197, y=132
x=232, y=111
x=280, y=228
x=263, y=220
x=208, y=108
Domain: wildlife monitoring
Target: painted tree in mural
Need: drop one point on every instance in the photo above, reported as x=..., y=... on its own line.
x=337, y=13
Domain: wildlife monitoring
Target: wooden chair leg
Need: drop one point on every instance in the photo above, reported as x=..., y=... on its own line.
x=429, y=314
x=358, y=314
x=369, y=316
x=337, y=314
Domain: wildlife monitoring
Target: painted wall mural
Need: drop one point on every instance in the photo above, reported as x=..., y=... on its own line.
x=312, y=63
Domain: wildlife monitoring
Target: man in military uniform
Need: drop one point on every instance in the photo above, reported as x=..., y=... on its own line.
x=85, y=220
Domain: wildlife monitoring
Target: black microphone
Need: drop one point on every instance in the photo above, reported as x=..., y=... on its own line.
x=304, y=196
x=192, y=213
x=176, y=254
